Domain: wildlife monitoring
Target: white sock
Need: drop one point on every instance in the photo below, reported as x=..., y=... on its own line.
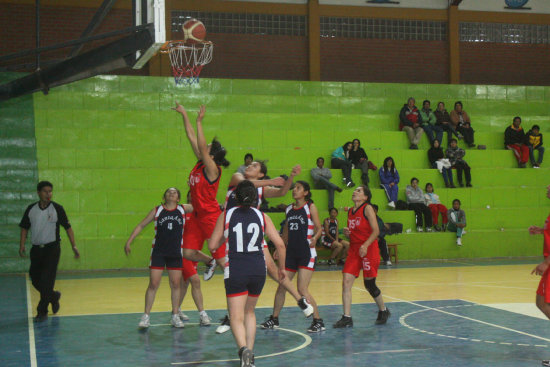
x=203, y=313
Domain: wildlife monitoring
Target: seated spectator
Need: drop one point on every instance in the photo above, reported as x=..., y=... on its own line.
x=457, y=221
x=389, y=178
x=429, y=120
x=321, y=178
x=382, y=244
x=514, y=139
x=455, y=155
x=248, y=159
x=331, y=240
x=340, y=159
x=443, y=120
x=462, y=124
x=417, y=202
x=432, y=199
x=534, y=142
x=411, y=121
x=359, y=160
x=437, y=160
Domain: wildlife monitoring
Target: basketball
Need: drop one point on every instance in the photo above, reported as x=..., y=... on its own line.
x=193, y=31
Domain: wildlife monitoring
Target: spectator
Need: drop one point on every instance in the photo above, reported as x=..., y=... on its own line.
x=534, y=142
x=321, y=177
x=462, y=124
x=438, y=161
x=411, y=121
x=248, y=159
x=331, y=240
x=432, y=199
x=443, y=120
x=382, y=244
x=389, y=178
x=457, y=221
x=429, y=123
x=340, y=159
x=359, y=160
x=455, y=155
x=417, y=202
x=514, y=139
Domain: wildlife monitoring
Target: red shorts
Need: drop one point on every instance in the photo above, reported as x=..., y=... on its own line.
x=189, y=268
x=369, y=264
x=198, y=230
x=544, y=286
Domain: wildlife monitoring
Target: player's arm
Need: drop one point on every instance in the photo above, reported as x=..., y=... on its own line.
x=285, y=233
x=274, y=236
x=536, y=230
x=541, y=268
x=326, y=228
x=70, y=234
x=217, y=237
x=188, y=208
x=148, y=219
x=189, y=131
x=371, y=216
x=211, y=168
x=316, y=225
x=272, y=192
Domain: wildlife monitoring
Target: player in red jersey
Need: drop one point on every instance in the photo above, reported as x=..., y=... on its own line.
x=543, y=291
x=203, y=183
x=362, y=231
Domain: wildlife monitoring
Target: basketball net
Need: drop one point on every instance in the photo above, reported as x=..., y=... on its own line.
x=187, y=59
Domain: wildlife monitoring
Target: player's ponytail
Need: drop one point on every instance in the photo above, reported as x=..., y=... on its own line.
x=246, y=194
x=218, y=152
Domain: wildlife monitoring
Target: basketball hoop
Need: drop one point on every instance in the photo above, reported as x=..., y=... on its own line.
x=187, y=59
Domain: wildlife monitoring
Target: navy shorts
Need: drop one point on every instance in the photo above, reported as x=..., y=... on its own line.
x=293, y=263
x=160, y=261
x=241, y=285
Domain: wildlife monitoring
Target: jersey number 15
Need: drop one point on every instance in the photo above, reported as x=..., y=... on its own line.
x=254, y=229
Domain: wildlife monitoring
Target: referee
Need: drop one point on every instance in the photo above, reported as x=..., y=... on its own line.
x=44, y=218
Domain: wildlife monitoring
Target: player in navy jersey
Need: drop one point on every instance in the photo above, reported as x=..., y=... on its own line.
x=242, y=228
x=166, y=251
x=331, y=240
x=300, y=232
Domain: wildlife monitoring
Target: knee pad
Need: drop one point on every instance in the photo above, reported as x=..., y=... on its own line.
x=370, y=285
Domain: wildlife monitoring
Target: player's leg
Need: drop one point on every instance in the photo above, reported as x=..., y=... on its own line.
x=255, y=286
x=347, y=283
x=193, y=241
x=336, y=249
x=370, y=271
x=543, y=306
x=174, y=277
x=236, y=308
x=155, y=276
x=304, y=278
x=280, y=295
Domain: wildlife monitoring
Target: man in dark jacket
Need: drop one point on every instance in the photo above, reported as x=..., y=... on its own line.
x=411, y=122
x=514, y=139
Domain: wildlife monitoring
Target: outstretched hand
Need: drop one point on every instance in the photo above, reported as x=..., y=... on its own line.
x=179, y=108
x=296, y=170
x=200, y=114
x=127, y=249
x=76, y=253
x=540, y=269
x=535, y=230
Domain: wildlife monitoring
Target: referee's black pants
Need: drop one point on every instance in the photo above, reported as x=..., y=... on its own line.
x=44, y=260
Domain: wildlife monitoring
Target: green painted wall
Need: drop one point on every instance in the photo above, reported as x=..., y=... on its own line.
x=111, y=145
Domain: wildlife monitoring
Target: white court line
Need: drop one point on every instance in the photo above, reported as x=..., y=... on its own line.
x=32, y=345
x=393, y=351
x=299, y=347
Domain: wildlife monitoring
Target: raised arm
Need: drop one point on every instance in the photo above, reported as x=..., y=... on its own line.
x=148, y=219
x=217, y=237
x=189, y=130
x=212, y=171
x=272, y=192
x=371, y=216
x=238, y=177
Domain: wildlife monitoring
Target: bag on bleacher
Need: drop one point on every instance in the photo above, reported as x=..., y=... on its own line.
x=394, y=228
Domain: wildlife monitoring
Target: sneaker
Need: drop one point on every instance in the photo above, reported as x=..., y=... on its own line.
x=209, y=271
x=144, y=322
x=536, y=166
x=183, y=316
x=316, y=326
x=270, y=323
x=468, y=185
x=176, y=321
x=246, y=357
x=225, y=326
x=350, y=183
x=391, y=204
x=428, y=229
x=339, y=189
x=460, y=184
x=344, y=322
x=472, y=145
x=458, y=241
x=437, y=228
x=331, y=262
x=383, y=317
x=419, y=229
x=546, y=363
x=453, y=186
x=41, y=317
x=204, y=320
x=388, y=263
x=55, y=302
x=306, y=308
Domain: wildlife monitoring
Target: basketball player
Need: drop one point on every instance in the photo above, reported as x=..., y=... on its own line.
x=204, y=180
x=363, y=254
x=243, y=228
x=255, y=172
x=300, y=232
x=331, y=240
x=166, y=252
x=543, y=291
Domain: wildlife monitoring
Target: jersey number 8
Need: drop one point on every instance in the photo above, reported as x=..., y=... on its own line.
x=253, y=228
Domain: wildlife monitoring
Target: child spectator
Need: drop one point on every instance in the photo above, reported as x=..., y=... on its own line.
x=429, y=123
x=331, y=240
x=340, y=159
x=382, y=244
x=389, y=178
x=248, y=159
x=360, y=160
x=444, y=121
x=455, y=155
x=514, y=139
x=457, y=221
x=437, y=160
x=321, y=177
x=534, y=142
x=411, y=121
x=433, y=202
x=462, y=124
x=417, y=202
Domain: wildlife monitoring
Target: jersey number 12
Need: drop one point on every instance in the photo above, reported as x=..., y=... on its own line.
x=253, y=228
